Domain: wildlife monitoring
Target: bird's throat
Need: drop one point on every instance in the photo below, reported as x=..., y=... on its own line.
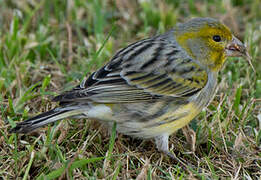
x=217, y=60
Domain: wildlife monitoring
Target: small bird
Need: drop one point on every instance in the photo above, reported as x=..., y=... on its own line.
x=152, y=87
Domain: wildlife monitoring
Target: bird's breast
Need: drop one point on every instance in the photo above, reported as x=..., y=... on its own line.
x=177, y=118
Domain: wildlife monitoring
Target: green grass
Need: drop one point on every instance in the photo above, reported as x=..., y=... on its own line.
x=47, y=47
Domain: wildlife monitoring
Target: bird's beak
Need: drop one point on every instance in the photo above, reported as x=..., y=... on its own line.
x=235, y=48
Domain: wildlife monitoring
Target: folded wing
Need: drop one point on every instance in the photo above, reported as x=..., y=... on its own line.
x=144, y=71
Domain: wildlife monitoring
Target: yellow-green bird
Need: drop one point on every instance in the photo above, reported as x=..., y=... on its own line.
x=152, y=87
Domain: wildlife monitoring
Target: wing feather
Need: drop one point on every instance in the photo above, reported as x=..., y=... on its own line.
x=144, y=71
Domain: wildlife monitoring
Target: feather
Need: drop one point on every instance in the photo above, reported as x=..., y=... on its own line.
x=147, y=70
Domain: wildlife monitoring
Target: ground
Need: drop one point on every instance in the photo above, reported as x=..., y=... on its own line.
x=47, y=47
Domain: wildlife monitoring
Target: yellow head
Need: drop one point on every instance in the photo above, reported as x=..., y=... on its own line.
x=208, y=41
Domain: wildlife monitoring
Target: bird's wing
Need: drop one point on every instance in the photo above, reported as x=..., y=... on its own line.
x=149, y=69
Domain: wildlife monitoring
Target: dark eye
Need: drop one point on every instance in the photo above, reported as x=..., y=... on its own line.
x=217, y=38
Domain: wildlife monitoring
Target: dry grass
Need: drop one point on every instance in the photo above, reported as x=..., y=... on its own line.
x=48, y=46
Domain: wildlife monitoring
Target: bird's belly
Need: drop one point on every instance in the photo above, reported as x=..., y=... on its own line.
x=148, y=126
x=172, y=121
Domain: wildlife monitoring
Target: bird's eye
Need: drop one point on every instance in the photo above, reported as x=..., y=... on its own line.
x=217, y=38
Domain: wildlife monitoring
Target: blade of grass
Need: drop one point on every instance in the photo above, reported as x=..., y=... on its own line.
x=26, y=96
x=97, y=53
x=56, y=173
x=29, y=166
x=77, y=164
x=28, y=19
x=116, y=173
x=237, y=100
x=62, y=68
x=83, y=162
x=112, y=141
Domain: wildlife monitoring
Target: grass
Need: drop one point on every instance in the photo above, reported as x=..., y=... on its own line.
x=49, y=46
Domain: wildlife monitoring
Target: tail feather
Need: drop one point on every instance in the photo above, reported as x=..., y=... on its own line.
x=44, y=119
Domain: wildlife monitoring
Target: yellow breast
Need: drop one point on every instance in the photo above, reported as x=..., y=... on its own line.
x=186, y=114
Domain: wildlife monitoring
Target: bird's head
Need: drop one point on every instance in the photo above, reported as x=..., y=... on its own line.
x=209, y=41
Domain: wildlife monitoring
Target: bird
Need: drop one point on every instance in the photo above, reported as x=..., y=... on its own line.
x=152, y=87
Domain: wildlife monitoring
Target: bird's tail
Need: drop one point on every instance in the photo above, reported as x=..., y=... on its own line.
x=45, y=118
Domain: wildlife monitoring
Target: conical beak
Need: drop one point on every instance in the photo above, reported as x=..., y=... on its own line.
x=237, y=49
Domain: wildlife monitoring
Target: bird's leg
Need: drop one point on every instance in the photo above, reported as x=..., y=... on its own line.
x=162, y=143
x=190, y=136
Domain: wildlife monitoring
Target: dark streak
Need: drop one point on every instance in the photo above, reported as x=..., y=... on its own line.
x=138, y=51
